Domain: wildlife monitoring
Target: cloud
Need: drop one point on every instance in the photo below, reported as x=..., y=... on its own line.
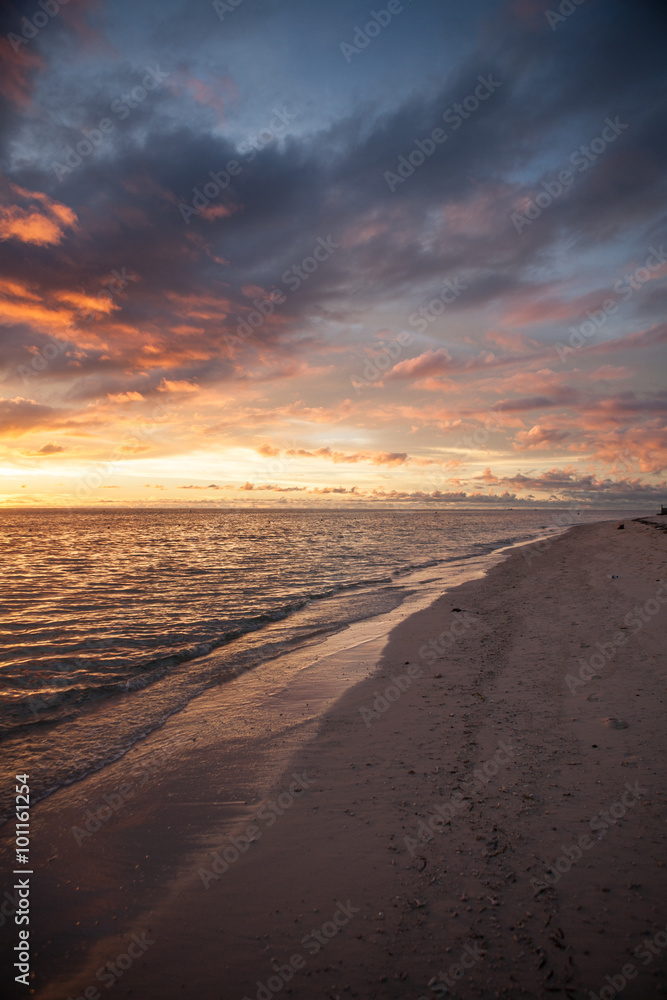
x=488, y=477
x=539, y=438
x=87, y=304
x=427, y=365
x=201, y=92
x=28, y=227
x=570, y=484
x=16, y=71
x=19, y=415
x=125, y=397
x=374, y=458
x=181, y=329
x=167, y=385
x=43, y=223
x=50, y=449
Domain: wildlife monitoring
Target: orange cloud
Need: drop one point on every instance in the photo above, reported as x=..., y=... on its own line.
x=488, y=477
x=181, y=385
x=17, y=290
x=43, y=223
x=88, y=303
x=28, y=227
x=125, y=397
x=35, y=314
x=20, y=415
x=45, y=450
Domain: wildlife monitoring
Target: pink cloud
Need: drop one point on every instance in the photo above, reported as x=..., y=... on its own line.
x=16, y=70
x=539, y=438
x=426, y=365
x=210, y=96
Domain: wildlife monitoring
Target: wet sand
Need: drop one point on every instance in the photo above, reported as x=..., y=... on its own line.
x=481, y=816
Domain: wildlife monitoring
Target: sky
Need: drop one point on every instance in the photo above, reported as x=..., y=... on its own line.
x=257, y=253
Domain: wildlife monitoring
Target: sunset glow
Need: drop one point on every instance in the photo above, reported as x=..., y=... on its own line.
x=426, y=270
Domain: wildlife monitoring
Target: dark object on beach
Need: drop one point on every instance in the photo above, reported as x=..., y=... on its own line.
x=663, y=509
x=620, y=526
x=456, y=609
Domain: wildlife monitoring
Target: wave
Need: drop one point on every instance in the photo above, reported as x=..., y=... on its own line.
x=85, y=679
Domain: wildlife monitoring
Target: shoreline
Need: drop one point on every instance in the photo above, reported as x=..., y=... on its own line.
x=336, y=853
x=225, y=665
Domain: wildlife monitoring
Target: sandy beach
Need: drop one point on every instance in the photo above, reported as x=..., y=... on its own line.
x=333, y=437
x=480, y=815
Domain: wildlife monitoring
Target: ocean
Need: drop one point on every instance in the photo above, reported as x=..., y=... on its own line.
x=112, y=620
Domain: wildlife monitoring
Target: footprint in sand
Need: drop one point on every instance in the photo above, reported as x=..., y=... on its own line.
x=616, y=723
